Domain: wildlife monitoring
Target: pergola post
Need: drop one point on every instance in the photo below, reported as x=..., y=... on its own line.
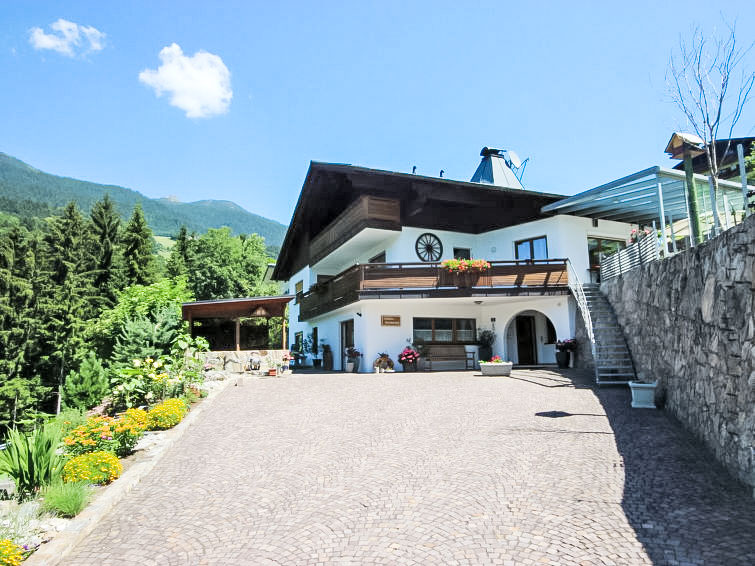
x=283, y=333
x=238, y=334
x=743, y=175
x=696, y=234
x=673, y=236
x=714, y=206
x=191, y=326
x=663, y=218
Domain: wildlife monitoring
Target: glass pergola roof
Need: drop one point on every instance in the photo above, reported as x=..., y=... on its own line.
x=649, y=195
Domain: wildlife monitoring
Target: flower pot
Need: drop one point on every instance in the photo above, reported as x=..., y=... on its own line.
x=348, y=367
x=272, y=372
x=317, y=363
x=562, y=359
x=409, y=366
x=500, y=369
x=377, y=369
x=643, y=394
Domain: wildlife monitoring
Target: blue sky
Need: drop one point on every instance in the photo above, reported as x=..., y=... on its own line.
x=578, y=88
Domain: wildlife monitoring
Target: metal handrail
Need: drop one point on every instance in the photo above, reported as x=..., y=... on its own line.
x=575, y=286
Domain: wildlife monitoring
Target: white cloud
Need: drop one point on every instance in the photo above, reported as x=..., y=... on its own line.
x=199, y=85
x=68, y=38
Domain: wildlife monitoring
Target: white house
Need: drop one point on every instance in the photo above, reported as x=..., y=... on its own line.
x=363, y=248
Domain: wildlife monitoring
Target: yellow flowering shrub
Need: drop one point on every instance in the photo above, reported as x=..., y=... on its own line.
x=166, y=414
x=10, y=553
x=93, y=467
x=108, y=434
x=94, y=435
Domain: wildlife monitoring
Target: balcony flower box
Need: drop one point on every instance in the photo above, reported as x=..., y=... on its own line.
x=496, y=367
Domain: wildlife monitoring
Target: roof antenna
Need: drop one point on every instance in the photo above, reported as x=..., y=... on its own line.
x=441, y=172
x=414, y=169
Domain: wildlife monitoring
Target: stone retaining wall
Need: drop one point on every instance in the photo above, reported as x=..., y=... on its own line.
x=689, y=323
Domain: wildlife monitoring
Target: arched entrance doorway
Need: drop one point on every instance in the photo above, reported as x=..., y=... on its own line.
x=531, y=339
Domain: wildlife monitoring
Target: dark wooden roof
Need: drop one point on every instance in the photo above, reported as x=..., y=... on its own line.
x=426, y=202
x=700, y=162
x=247, y=307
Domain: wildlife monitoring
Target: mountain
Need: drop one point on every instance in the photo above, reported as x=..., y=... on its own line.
x=24, y=188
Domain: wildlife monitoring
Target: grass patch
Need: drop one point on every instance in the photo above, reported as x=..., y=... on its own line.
x=66, y=499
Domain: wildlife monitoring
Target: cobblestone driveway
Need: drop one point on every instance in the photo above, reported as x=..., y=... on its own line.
x=429, y=468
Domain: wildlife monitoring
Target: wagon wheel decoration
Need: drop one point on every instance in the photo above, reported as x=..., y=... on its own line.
x=428, y=247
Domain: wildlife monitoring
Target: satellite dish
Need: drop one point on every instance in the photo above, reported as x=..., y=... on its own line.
x=514, y=158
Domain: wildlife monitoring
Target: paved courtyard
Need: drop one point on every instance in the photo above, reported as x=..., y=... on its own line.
x=429, y=468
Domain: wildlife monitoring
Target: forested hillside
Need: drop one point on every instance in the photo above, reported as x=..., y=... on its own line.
x=83, y=296
x=26, y=191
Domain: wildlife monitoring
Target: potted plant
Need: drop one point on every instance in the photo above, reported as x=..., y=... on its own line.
x=352, y=359
x=496, y=366
x=564, y=348
x=643, y=393
x=486, y=339
x=408, y=358
x=286, y=360
x=327, y=357
x=383, y=363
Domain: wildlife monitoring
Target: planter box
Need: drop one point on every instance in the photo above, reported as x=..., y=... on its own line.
x=643, y=394
x=496, y=369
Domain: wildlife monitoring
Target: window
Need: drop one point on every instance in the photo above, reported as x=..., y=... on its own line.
x=462, y=253
x=314, y=340
x=598, y=248
x=298, y=341
x=380, y=258
x=534, y=248
x=445, y=330
x=299, y=287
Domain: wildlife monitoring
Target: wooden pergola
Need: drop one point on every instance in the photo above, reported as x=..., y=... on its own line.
x=236, y=309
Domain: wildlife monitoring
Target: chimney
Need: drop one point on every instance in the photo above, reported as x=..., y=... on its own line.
x=494, y=169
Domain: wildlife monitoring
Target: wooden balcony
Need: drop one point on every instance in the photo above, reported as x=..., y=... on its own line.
x=365, y=212
x=428, y=280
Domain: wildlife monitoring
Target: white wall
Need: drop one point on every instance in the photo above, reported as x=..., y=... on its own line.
x=371, y=338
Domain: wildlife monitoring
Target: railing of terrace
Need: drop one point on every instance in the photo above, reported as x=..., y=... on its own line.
x=575, y=286
x=643, y=251
x=373, y=278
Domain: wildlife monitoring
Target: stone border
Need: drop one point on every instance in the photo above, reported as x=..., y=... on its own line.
x=53, y=552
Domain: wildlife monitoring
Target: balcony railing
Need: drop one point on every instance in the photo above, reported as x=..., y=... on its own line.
x=371, y=280
x=365, y=212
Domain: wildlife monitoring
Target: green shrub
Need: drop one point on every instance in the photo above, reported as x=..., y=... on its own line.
x=66, y=499
x=86, y=388
x=31, y=460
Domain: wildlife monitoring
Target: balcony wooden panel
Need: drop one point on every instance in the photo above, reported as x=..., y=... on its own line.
x=366, y=212
x=429, y=280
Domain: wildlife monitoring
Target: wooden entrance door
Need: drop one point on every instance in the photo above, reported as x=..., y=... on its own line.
x=525, y=340
x=347, y=339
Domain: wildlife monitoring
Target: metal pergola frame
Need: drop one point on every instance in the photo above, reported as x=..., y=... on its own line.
x=654, y=196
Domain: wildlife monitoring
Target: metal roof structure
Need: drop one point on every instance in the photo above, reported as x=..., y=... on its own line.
x=493, y=170
x=651, y=195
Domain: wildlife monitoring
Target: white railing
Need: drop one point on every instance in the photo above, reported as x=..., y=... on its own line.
x=633, y=256
x=575, y=286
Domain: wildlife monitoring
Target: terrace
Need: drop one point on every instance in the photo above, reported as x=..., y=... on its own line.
x=429, y=280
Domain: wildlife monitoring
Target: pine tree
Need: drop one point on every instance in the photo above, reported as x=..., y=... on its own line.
x=105, y=228
x=70, y=301
x=137, y=250
x=86, y=387
x=181, y=255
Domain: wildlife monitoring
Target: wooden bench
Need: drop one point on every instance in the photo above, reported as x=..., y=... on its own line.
x=448, y=353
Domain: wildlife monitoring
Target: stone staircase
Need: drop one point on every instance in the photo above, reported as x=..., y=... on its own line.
x=613, y=361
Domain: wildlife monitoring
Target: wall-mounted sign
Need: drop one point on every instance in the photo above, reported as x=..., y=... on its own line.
x=390, y=320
